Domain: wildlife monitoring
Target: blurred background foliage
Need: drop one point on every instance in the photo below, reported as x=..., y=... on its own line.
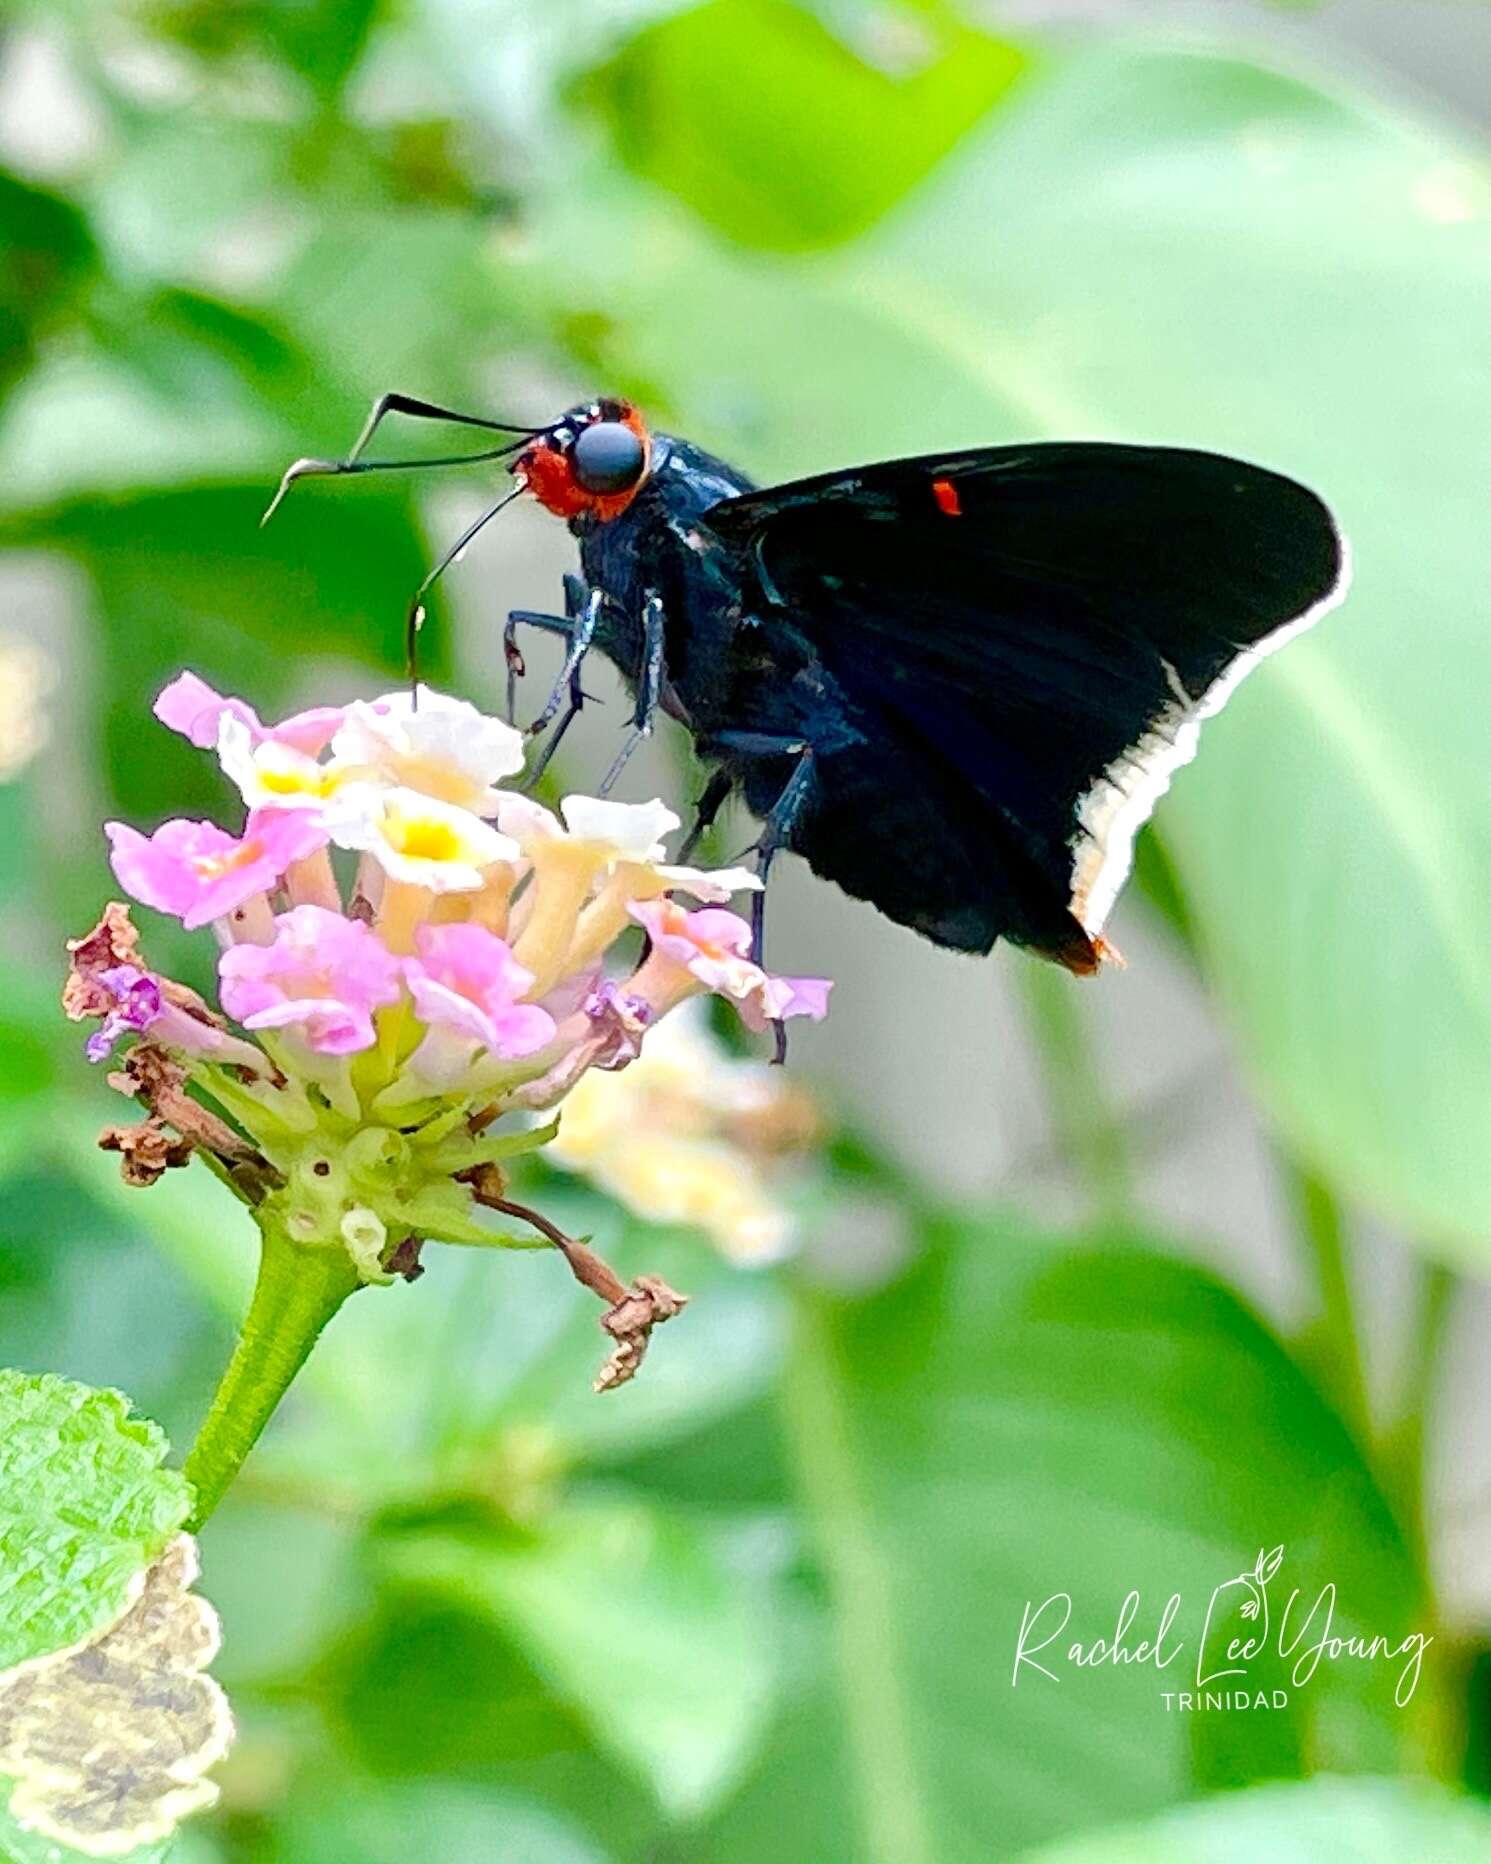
x=764, y=1604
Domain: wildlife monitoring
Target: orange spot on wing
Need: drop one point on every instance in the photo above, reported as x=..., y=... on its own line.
x=946, y=494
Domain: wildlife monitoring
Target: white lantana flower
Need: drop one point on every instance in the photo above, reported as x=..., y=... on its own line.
x=272, y=775
x=418, y=839
x=607, y=831
x=442, y=747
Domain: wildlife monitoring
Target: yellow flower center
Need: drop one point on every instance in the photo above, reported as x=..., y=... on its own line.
x=298, y=782
x=423, y=838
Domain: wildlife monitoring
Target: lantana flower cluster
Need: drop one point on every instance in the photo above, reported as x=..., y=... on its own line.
x=416, y=965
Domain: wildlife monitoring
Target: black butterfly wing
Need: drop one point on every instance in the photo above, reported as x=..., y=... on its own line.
x=1033, y=635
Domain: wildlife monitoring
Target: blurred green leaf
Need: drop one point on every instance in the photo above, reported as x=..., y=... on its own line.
x=87, y=1506
x=1312, y=1822
x=320, y=39
x=406, y=299
x=456, y=1824
x=639, y=1625
x=1018, y=1420
x=83, y=1292
x=468, y=1705
x=776, y=131
x=1169, y=246
x=29, y=1028
x=46, y=257
x=284, y=1582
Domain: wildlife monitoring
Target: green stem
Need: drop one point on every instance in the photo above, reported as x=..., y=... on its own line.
x=1324, y=1234
x=1404, y=1444
x=297, y=1292
x=1087, y=1133
x=868, y=1633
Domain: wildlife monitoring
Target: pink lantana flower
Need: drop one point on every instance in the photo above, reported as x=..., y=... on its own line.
x=778, y=999
x=710, y=950
x=190, y=706
x=466, y=987
x=321, y=978
x=198, y=872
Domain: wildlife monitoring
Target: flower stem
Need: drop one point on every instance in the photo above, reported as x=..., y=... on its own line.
x=297, y=1292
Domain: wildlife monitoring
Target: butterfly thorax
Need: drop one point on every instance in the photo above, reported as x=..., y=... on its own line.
x=729, y=664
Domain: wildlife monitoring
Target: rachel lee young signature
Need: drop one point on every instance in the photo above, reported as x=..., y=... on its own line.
x=1308, y=1638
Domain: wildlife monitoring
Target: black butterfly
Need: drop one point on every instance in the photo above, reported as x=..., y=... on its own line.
x=956, y=684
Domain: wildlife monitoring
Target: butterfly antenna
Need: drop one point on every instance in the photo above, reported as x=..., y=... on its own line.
x=330, y=469
x=415, y=620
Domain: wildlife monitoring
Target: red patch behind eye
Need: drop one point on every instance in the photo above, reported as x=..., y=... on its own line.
x=547, y=474
x=946, y=494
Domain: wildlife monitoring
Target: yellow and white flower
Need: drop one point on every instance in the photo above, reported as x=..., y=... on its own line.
x=442, y=747
x=418, y=839
x=274, y=775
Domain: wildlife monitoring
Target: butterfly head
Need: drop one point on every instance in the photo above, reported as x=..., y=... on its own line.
x=592, y=463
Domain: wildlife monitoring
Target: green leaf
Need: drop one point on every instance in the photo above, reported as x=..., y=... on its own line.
x=468, y=1704
x=458, y=1824
x=85, y=1505
x=1164, y=245
x=320, y=39
x=108, y=1743
x=47, y=258
x=638, y=1623
x=776, y=131
x=1310, y=1822
x=1019, y=1419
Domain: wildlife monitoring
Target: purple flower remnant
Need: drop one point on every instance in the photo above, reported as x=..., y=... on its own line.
x=136, y=1004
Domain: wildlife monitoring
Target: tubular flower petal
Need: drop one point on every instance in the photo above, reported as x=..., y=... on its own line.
x=322, y=977
x=707, y=950
x=442, y=747
x=273, y=775
x=198, y=872
x=466, y=980
x=418, y=839
x=190, y=706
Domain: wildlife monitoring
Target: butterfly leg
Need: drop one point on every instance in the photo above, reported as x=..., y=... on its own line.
x=583, y=614
x=711, y=802
x=564, y=625
x=649, y=688
x=776, y=832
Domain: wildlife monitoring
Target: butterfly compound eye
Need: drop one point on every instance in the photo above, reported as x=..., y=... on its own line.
x=608, y=457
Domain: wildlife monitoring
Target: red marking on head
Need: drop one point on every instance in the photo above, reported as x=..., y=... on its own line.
x=946, y=494
x=546, y=471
